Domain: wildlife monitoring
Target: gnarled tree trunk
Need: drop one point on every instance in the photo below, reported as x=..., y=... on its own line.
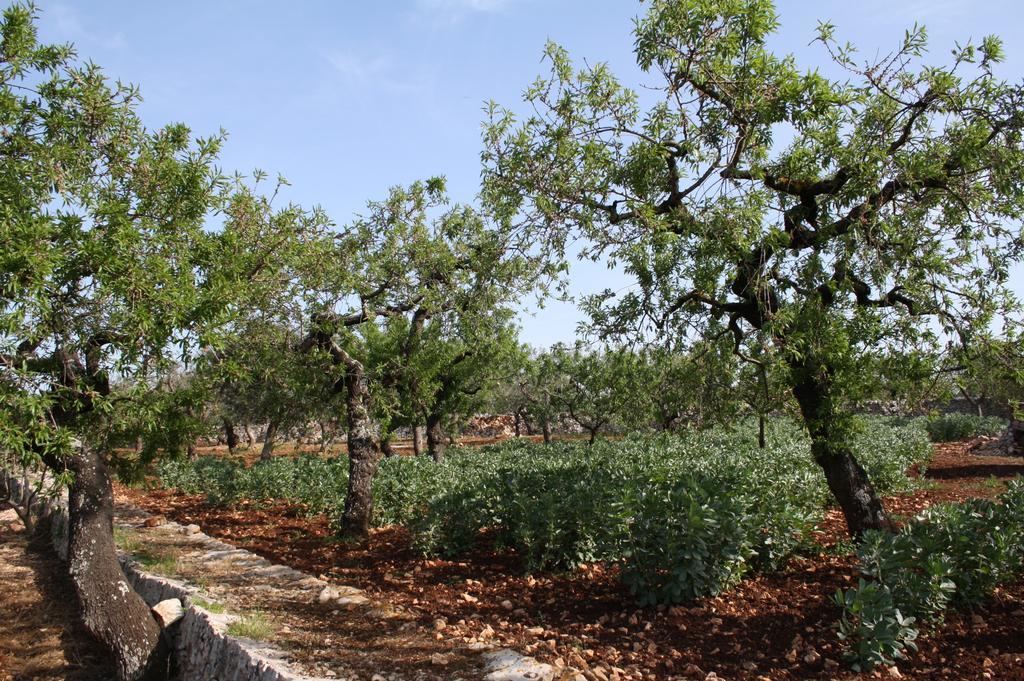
x=1017, y=436
x=364, y=452
x=437, y=440
x=847, y=479
x=546, y=429
x=268, y=442
x=112, y=612
x=417, y=440
x=230, y=436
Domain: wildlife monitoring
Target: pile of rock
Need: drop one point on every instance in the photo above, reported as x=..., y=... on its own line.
x=1010, y=443
x=490, y=425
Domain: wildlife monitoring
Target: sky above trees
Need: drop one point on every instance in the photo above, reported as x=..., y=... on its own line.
x=346, y=99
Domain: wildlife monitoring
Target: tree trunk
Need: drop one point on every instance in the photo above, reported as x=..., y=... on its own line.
x=1017, y=437
x=268, y=442
x=326, y=437
x=112, y=612
x=417, y=440
x=249, y=438
x=437, y=441
x=846, y=478
x=593, y=435
x=364, y=453
x=978, y=403
x=386, y=447
x=760, y=432
x=518, y=424
x=546, y=427
x=230, y=436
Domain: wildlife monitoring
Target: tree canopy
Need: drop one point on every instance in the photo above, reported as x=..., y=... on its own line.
x=814, y=216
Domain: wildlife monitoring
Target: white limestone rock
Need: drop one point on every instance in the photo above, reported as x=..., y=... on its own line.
x=168, y=612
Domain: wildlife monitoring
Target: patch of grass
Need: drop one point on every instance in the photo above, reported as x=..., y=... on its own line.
x=161, y=561
x=127, y=540
x=253, y=625
x=209, y=606
x=202, y=581
x=842, y=547
x=994, y=483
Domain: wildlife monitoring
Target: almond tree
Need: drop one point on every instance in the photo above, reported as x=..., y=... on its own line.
x=259, y=379
x=465, y=354
x=828, y=216
x=691, y=389
x=109, y=280
x=536, y=389
x=598, y=388
x=413, y=256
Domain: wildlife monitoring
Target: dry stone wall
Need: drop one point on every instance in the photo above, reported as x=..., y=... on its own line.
x=203, y=649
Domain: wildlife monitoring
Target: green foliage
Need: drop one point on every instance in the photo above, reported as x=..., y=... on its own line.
x=689, y=538
x=445, y=366
x=888, y=449
x=309, y=480
x=953, y=427
x=259, y=378
x=890, y=217
x=877, y=629
x=111, y=278
x=951, y=555
x=993, y=373
x=598, y=389
x=209, y=606
x=253, y=625
x=686, y=515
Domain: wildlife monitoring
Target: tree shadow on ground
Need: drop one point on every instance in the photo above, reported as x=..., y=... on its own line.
x=1007, y=470
x=85, y=660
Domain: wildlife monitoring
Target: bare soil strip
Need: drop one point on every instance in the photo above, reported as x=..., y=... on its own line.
x=40, y=637
x=325, y=628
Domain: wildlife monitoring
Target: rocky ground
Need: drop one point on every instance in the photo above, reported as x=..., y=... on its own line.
x=777, y=626
x=40, y=637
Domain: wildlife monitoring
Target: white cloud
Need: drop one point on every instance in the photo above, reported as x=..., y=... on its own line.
x=470, y=5
x=69, y=26
x=377, y=72
x=922, y=11
x=354, y=67
x=450, y=12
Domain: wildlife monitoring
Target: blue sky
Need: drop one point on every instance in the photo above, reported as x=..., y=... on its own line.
x=347, y=98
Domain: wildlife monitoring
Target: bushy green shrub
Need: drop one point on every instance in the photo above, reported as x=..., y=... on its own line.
x=685, y=515
x=689, y=537
x=308, y=480
x=953, y=427
x=877, y=631
x=556, y=506
x=888, y=450
x=951, y=555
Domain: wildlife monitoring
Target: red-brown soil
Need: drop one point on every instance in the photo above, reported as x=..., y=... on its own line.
x=40, y=637
x=777, y=626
